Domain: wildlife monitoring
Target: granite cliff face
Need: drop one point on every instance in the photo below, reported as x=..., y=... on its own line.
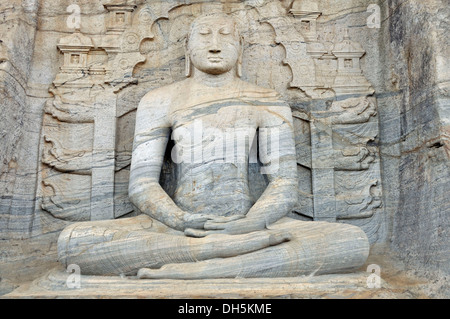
x=367, y=81
x=419, y=46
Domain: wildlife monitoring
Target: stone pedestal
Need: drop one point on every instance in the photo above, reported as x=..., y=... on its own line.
x=54, y=285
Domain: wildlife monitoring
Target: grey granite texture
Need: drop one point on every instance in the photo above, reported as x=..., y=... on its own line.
x=415, y=132
x=406, y=62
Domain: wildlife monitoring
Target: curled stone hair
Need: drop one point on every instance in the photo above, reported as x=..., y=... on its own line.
x=236, y=31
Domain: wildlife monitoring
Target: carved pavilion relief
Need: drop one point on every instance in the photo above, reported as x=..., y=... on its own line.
x=88, y=128
x=81, y=165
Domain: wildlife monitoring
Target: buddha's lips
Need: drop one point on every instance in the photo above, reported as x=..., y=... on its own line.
x=215, y=59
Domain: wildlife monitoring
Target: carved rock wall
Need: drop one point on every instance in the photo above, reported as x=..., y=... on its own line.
x=20, y=121
x=370, y=107
x=121, y=50
x=414, y=113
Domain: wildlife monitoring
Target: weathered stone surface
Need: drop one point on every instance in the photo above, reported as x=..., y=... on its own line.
x=214, y=119
x=53, y=285
x=417, y=149
x=18, y=127
x=388, y=175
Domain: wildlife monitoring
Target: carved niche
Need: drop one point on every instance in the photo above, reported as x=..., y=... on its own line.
x=336, y=120
x=89, y=122
x=80, y=161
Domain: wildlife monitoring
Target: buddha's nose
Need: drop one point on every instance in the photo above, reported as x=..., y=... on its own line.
x=214, y=50
x=215, y=47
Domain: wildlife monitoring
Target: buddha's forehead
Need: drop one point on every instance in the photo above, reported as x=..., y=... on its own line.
x=214, y=22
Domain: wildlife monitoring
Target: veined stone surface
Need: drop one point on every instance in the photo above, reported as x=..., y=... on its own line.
x=211, y=227
x=54, y=285
x=367, y=83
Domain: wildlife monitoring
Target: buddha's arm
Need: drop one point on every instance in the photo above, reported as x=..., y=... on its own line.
x=150, y=141
x=151, y=137
x=278, y=155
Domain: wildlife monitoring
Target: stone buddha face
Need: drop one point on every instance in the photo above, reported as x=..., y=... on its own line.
x=214, y=45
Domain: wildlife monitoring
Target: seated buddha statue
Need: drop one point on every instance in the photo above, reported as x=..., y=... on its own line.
x=211, y=227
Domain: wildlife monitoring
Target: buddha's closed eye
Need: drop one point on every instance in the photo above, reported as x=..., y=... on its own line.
x=205, y=31
x=225, y=31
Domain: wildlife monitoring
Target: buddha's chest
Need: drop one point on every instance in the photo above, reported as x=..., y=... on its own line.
x=220, y=131
x=222, y=120
x=220, y=115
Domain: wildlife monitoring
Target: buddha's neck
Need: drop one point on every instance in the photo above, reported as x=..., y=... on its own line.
x=213, y=80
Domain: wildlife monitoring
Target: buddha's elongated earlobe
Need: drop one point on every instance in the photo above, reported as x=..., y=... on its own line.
x=239, y=62
x=239, y=67
x=188, y=66
x=187, y=59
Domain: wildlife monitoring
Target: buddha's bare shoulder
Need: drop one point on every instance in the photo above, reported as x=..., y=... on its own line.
x=162, y=96
x=252, y=90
